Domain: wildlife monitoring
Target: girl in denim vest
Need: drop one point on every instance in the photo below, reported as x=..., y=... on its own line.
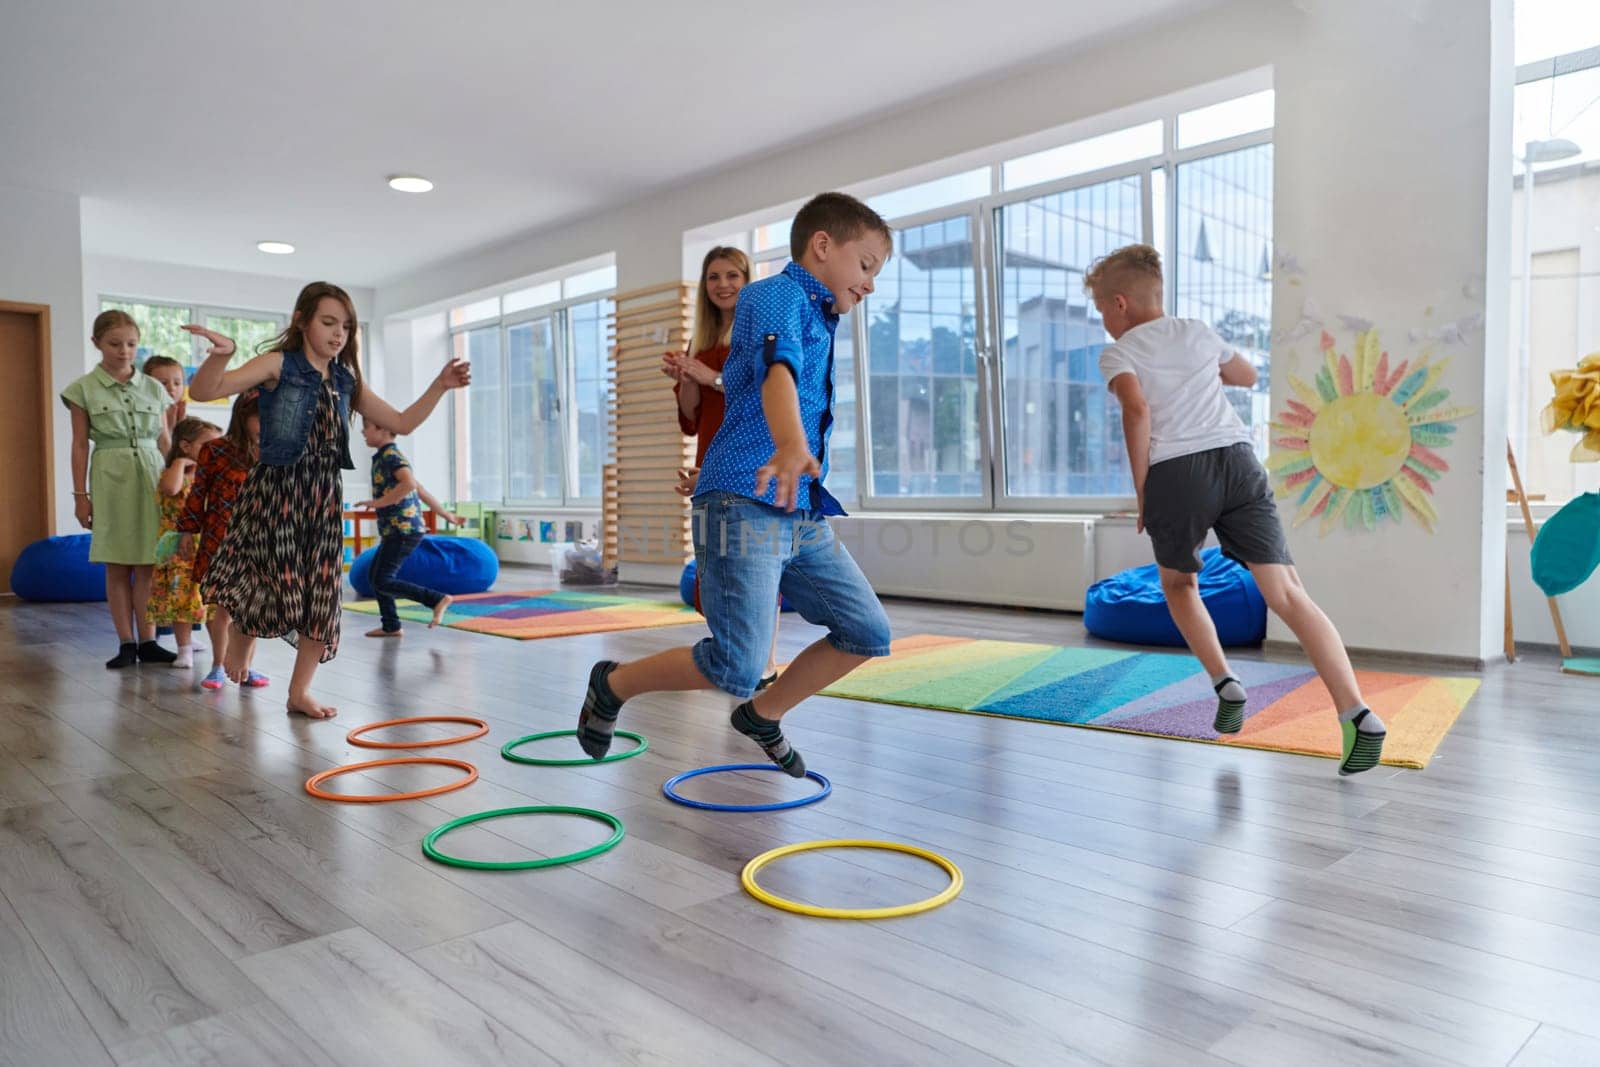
x=278, y=571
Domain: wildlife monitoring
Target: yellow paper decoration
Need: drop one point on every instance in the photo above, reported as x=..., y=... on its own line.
x=1576, y=407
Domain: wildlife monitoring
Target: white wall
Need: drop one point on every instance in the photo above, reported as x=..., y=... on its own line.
x=40, y=263
x=1393, y=190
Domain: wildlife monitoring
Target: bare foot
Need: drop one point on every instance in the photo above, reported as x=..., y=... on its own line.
x=241, y=649
x=307, y=705
x=439, y=609
x=381, y=632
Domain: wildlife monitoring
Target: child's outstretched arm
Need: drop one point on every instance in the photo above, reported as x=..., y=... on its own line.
x=1135, y=431
x=791, y=458
x=1239, y=371
x=455, y=375
x=439, y=509
x=405, y=483
x=214, y=380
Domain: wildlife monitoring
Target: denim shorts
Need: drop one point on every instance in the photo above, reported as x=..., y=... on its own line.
x=746, y=553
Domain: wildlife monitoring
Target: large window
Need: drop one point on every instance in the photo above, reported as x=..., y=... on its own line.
x=1555, y=219
x=1062, y=428
x=485, y=412
x=1220, y=261
x=534, y=428
x=979, y=351
x=922, y=369
x=161, y=332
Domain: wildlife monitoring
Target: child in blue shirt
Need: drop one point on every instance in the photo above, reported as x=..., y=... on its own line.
x=760, y=509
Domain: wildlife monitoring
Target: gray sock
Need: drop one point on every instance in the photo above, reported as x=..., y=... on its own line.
x=1229, y=689
x=767, y=734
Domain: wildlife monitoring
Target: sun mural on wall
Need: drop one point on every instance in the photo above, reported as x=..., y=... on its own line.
x=1359, y=442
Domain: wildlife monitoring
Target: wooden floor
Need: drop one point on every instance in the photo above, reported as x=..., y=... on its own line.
x=169, y=894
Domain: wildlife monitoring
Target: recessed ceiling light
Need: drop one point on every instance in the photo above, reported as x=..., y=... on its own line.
x=409, y=183
x=276, y=248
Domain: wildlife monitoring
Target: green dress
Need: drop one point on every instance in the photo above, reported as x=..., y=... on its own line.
x=124, y=423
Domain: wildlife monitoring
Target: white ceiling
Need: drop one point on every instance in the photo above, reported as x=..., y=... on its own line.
x=192, y=129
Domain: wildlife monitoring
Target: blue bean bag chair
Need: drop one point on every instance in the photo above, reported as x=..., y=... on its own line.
x=452, y=565
x=57, y=570
x=1130, y=607
x=1567, y=549
x=686, y=589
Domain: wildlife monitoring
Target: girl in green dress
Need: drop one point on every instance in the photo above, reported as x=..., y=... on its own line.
x=124, y=413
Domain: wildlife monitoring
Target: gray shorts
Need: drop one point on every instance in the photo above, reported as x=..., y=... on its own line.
x=1222, y=489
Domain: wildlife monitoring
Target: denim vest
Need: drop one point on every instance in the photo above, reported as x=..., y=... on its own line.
x=287, y=411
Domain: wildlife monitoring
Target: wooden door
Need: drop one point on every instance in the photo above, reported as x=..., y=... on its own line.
x=27, y=505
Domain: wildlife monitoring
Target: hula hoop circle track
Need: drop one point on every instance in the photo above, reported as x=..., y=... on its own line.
x=669, y=789
x=640, y=744
x=354, y=736
x=430, y=850
x=747, y=878
x=314, y=783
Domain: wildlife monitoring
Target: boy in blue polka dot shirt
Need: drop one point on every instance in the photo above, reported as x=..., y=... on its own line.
x=760, y=508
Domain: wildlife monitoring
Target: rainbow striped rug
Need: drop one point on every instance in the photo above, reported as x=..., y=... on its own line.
x=529, y=615
x=1153, y=693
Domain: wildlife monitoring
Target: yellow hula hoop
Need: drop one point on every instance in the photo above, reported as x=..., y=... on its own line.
x=747, y=878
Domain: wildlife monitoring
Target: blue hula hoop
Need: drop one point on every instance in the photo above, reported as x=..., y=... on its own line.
x=668, y=787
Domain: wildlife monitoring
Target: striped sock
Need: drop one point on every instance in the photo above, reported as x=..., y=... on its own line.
x=1230, y=704
x=598, y=719
x=1363, y=735
x=767, y=734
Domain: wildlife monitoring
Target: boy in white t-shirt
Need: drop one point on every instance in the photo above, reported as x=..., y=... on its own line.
x=1194, y=471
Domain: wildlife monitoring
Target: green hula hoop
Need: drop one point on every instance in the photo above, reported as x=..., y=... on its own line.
x=434, y=854
x=506, y=750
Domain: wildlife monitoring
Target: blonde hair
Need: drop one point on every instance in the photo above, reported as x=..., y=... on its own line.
x=710, y=328
x=1133, y=270
x=107, y=321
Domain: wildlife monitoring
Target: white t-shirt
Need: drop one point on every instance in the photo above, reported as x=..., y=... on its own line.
x=1178, y=363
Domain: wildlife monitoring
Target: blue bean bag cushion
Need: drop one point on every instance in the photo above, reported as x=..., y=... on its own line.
x=57, y=569
x=1567, y=549
x=452, y=565
x=1130, y=607
x=686, y=589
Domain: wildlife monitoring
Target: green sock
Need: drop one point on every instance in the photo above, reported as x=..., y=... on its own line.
x=1363, y=735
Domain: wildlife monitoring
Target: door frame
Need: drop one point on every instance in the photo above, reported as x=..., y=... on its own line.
x=47, y=473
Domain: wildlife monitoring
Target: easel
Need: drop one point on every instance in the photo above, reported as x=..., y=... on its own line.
x=1533, y=532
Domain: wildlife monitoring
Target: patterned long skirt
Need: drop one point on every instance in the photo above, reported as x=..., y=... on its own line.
x=279, y=569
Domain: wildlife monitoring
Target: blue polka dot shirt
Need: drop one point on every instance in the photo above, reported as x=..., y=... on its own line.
x=785, y=320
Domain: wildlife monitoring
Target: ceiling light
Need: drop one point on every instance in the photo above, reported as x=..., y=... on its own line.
x=409, y=183
x=275, y=248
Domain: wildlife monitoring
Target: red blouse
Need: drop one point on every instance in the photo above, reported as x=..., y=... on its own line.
x=708, y=419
